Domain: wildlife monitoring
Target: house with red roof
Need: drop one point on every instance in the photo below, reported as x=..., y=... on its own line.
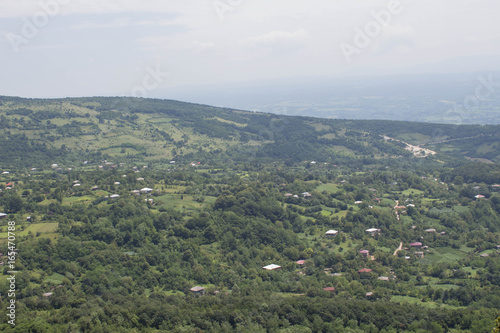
x=364, y=253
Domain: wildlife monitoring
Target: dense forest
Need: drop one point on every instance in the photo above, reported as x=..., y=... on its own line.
x=161, y=216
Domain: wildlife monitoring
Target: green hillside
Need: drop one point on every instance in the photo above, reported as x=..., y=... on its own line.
x=37, y=133
x=365, y=230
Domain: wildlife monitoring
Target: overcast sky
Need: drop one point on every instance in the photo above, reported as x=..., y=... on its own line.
x=126, y=47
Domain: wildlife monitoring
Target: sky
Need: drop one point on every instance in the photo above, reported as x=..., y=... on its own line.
x=70, y=48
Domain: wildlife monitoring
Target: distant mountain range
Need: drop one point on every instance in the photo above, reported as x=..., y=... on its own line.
x=465, y=98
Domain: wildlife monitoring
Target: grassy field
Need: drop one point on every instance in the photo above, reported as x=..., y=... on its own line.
x=412, y=191
x=182, y=202
x=444, y=254
x=330, y=188
x=46, y=230
x=414, y=300
x=54, y=279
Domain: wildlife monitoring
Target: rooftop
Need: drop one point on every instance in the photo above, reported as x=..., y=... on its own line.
x=271, y=267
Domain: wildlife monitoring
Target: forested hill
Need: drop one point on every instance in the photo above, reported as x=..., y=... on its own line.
x=41, y=132
x=163, y=216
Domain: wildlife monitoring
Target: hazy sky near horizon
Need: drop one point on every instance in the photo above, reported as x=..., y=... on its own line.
x=58, y=48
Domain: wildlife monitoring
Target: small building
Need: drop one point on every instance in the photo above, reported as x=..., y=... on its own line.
x=114, y=196
x=484, y=255
x=146, y=190
x=383, y=278
x=358, y=202
x=47, y=294
x=140, y=179
x=373, y=231
x=95, y=188
x=365, y=270
x=430, y=230
x=364, y=253
x=369, y=294
x=479, y=196
x=331, y=233
x=271, y=267
x=416, y=245
x=3, y=215
x=300, y=262
x=288, y=195
x=419, y=255
x=330, y=289
x=198, y=290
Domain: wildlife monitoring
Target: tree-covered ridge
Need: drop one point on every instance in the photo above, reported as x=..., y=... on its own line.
x=127, y=263
x=123, y=205
x=122, y=129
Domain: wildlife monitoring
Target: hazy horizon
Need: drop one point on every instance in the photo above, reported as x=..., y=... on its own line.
x=59, y=48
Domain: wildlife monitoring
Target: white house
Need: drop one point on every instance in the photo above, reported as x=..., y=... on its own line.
x=146, y=190
x=331, y=233
x=271, y=267
x=373, y=231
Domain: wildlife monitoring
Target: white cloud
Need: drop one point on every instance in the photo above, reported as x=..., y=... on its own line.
x=400, y=31
x=122, y=22
x=279, y=38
